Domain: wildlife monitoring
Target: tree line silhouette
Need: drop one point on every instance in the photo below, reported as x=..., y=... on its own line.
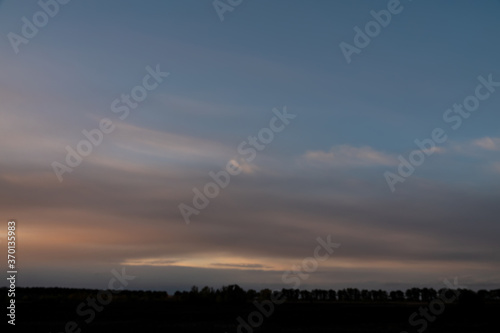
x=235, y=294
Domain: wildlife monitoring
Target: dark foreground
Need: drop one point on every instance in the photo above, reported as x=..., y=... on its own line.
x=145, y=313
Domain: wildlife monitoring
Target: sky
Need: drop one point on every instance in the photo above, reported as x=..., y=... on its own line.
x=334, y=111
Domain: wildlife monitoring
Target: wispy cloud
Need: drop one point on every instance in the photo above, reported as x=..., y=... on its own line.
x=149, y=262
x=246, y=266
x=346, y=155
x=146, y=141
x=487, y=143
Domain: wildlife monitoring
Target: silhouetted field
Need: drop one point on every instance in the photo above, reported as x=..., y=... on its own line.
x=50, y=309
